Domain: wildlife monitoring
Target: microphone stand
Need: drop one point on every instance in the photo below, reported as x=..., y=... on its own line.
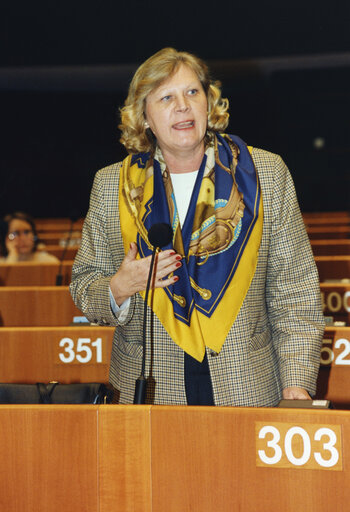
x=159, y=235
x=141, y=382
x=59, y=276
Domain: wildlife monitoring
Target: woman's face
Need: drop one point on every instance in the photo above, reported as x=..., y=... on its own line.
x=176, y=112
x=21, y=235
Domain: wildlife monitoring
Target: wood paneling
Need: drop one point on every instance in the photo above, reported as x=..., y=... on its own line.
x=333, y=267
x=57, y=224
x=327, y=217
x=336, y=300
x=58, y=250
x=164, y=458
x=34, y=274
x=36, y=306
x=205, y=459
x=334, y=377
x=125, y=458
x=32, y=354
x=48, y=459
x=324, y=232
x=332, y=247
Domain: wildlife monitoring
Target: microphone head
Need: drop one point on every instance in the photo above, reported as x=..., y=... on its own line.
x=160, y=234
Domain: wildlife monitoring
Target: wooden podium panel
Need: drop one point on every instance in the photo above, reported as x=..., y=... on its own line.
x=63, y=354
x=34, y=274
x=36, y=306
x=125, y=458
x=48, y=459
x=336, y=300
x=333, y=267
x=115, y=458
x=205, y=459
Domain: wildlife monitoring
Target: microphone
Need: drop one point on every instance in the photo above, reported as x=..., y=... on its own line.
x=159, y=235
x=73, y=218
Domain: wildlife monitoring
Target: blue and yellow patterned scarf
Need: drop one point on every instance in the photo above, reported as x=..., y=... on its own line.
x=219, y=240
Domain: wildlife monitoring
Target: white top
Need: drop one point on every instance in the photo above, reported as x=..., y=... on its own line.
x=183, y=184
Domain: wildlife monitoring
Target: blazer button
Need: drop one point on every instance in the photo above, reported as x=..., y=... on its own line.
x=213, y=353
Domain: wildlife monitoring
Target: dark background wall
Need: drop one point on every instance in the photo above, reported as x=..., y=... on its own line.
x=65, y=69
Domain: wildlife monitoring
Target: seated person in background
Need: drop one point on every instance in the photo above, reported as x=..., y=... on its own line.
x=19, y=241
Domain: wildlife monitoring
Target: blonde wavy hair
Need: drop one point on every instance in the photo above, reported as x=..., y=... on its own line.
x=160, y=66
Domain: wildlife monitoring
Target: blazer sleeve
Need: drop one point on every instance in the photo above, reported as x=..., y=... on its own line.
x=96, y=262
x=293, y=295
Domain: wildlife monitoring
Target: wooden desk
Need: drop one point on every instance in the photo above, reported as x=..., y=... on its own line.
x=57, y=224
x=334, y=376
x=65, y=354
x=34, y=274
x=58, y=250
x=343, y=219
x=36, y=306
x=323, y=232
x=332, y=247
x=336, y=300
x=58, y=237
x=326, y=217
x=174, y=459
x=333, y=267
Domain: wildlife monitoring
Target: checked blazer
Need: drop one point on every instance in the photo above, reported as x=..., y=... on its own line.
x=276, y=338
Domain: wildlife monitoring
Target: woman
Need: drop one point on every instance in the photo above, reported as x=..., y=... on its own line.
x=19, y=241
x=236, y=301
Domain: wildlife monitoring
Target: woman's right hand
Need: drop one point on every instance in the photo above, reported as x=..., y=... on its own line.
x=133, y=273
x=11, y=246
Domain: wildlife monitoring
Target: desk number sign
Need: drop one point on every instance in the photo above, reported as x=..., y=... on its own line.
x=80, y=351
x=302, y=446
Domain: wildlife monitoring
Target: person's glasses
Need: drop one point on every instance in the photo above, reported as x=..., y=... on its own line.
x=24, y=232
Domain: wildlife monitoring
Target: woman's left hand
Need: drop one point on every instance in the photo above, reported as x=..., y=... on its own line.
x=295, y=393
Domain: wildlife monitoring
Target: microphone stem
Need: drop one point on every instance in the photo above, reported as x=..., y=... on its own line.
x=145, y=313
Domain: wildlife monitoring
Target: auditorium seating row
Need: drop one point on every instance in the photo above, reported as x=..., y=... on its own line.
x=64, y=354
x=341, y=218
x=320, y=247
x=82, y=354
x=25, y=306
x=329, y=234
x=57, y=225
x=31, y=274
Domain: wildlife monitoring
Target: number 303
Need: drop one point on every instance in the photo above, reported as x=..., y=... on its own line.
x=274, y=444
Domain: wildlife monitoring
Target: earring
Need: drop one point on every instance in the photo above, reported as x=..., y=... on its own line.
x=146, y=125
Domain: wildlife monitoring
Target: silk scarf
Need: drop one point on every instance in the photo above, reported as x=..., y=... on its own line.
x=219, y=240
